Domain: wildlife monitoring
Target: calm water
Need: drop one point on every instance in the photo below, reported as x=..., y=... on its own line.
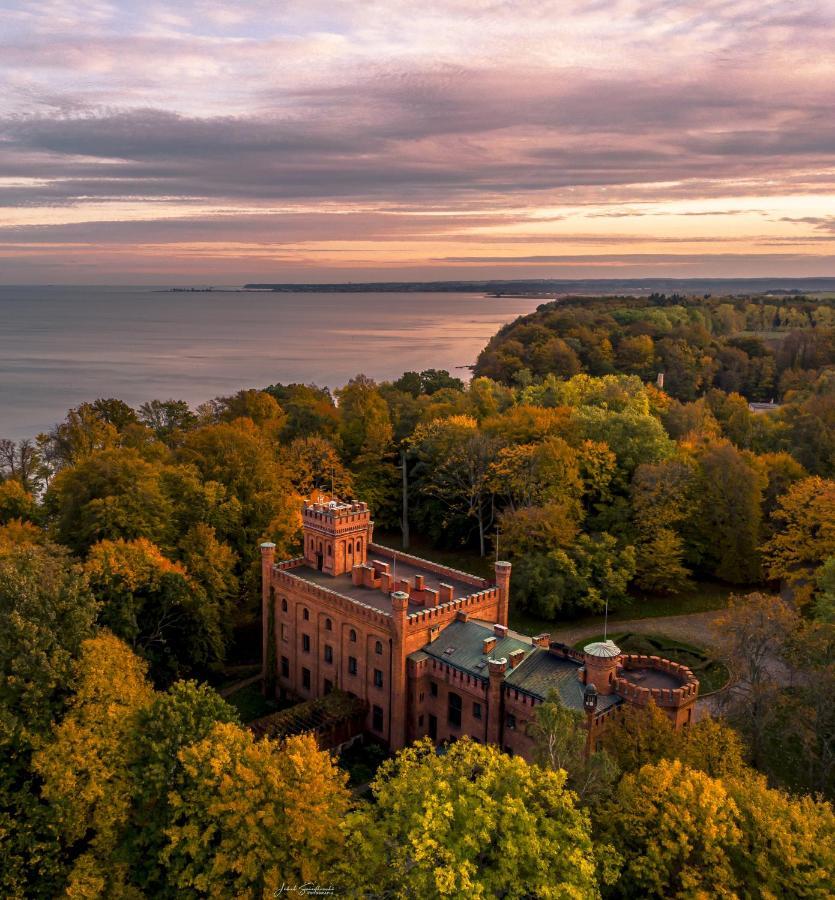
x=60, y=346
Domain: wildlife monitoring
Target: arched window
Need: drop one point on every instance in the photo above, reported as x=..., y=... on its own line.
x=359, y=546
x=329, y=550
x=350, y=549
x=284, y=604
x=378, y=648
x=320, y=546
x=306, y=614
x=328, y=625
x=352, y=636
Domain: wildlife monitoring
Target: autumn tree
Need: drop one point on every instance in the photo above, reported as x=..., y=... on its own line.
x=156, y=606
x=805, y=538
x=84, y=768
x=638, y=735
x=470, y=822
x=16, y=503
x=250, y=817
x=676, y=830
x=183, y=715
x=20, y=461
x=46, y=613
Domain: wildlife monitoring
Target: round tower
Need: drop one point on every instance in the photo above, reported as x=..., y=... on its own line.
x=602, y=659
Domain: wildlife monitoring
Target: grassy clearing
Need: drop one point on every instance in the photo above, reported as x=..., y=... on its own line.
x=701, y=597
x=712, y=674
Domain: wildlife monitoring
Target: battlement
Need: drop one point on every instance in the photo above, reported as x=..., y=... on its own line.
x=643, y=678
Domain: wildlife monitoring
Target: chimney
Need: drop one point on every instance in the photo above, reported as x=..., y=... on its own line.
x=516, y=656
x=500, y=630
x=542, y=640
x=487, y=645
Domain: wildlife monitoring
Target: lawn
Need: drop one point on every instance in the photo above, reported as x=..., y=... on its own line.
x=703, y=596
x=712, y=674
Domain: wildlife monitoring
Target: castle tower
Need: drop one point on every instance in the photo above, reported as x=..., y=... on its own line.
x=602, y=659
x=496, y=669
x=336, y=535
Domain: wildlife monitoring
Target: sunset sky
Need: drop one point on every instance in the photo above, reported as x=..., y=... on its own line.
x=202, y=142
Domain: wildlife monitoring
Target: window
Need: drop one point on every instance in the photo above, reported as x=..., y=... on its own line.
x=454, y=710
x=328, y=685
x=352, y=636
x=359, y=546
x=433, y=688
x=378, y=648
x=476, y=710
x=328, y=653
x=306, y=643
x=285, y=667
x=377, y=718
x=283, y=632
x=306, y=614
x=350, y=549
x=328, y=625
x=352, y=665
x=284, y=604
x=330, y=553
x=306, y=679
x=420, y=697
x=510, y=721
x=420, y=721
x=378, y=678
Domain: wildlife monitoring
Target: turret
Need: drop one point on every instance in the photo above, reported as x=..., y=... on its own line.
x=602, y=659
x=497, y=669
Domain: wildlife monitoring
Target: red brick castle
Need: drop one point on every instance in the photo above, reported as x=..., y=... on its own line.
x=427, y=648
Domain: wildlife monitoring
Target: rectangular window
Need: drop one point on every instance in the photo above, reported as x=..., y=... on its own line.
x=433, y=688
x=454, y=710
x=285, y=667
x=476, y=710
x=306, y=679
x=352, y=665
x=328, y=653
x=328, y=685
x=284, y=633
x=306, y=643
x=377, y=718
x=420, y=698
x=378, y=678
x=510, y=721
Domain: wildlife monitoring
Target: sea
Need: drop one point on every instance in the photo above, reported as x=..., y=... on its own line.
x=61, y=346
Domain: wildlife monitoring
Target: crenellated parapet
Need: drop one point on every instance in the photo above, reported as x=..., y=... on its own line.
x=635, y=666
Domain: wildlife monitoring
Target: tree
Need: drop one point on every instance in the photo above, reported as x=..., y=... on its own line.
x=472, y=821
x=46, y=613
x=250, y=817
x=155, y=605
x=168, y=419
x=183, y=715
x=536, y=474
x=455, y=469
x=315, y=467
x=365, y=427
x=788, y=844
x=677, y=832
x=107, y=495
x=726, y=528
x=638, y=735
x=85, y=431
x=84, y=769
x=560, y=738
x=805, y=517
x=712, y=746
x=16, y=503
x=753, y=633
x=20, y=462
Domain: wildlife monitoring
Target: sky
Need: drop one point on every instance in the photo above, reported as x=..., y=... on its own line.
x=324, y=140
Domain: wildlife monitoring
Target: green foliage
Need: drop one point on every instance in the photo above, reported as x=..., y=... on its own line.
x=472, y=821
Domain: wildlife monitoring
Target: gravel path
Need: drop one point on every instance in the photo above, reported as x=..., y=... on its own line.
x=694, y=628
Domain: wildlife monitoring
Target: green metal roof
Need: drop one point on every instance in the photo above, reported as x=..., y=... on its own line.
x=542, y=672
x=460, y=644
